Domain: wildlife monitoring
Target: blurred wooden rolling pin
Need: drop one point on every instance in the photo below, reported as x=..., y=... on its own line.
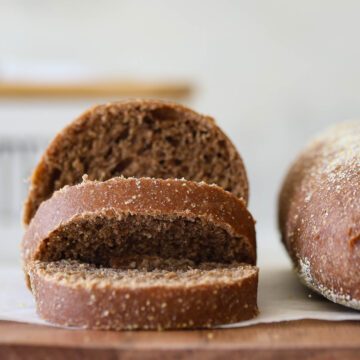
x=94, y=89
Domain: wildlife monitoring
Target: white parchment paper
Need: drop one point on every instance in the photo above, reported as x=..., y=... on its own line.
x=281, y=296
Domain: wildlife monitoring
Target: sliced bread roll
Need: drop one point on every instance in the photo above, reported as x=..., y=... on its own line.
x=179, y=296
x=319, y=214
x=96, y=221
x=140, y=138
x=142, y=254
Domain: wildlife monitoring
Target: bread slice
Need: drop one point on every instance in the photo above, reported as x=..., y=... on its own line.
x=175, y=296
x=319, y=214
x=95, y=221
x=140, y=138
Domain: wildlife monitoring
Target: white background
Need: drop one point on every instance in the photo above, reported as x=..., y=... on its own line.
x=273, y=73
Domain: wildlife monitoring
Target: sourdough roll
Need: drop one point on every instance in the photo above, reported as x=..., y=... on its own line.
x=319, y=214
x=142, y=254
x=140, y=138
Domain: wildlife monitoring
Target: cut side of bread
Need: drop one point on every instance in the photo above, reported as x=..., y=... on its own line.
x=97, y=221
x=151, y=294
x=140, y=138
x=142, y=254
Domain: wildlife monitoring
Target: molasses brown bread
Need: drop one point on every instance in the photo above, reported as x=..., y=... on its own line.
x=175, y=296
x=319, y=214
x=139, y=138
x=95, y=222
x=142, y=254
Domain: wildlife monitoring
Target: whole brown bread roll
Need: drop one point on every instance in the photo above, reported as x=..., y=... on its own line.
x=319, y=214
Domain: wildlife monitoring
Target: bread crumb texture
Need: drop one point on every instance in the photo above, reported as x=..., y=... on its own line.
x=143, y=138
x=146, y=272
x=96, y=221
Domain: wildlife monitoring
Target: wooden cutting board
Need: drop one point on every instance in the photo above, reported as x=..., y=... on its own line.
x=306, y=339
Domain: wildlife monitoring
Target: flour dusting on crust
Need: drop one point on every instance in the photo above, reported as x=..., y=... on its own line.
x=304, y=273
x=319, y=214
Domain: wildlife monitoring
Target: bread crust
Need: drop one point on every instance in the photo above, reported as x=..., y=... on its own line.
x=155, y=307
x=319, y=214
x=42, y=172
x=144, y=196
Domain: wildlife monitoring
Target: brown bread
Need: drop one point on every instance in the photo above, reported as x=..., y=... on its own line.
x=140, y=138
x=95, y=221
x=319, y=214
x=142, y=254
x=83, y=295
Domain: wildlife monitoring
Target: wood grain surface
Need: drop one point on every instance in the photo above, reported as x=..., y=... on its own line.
x=306, y=339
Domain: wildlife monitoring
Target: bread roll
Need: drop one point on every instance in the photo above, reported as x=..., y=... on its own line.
x=140, y=138
x=319, y=214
